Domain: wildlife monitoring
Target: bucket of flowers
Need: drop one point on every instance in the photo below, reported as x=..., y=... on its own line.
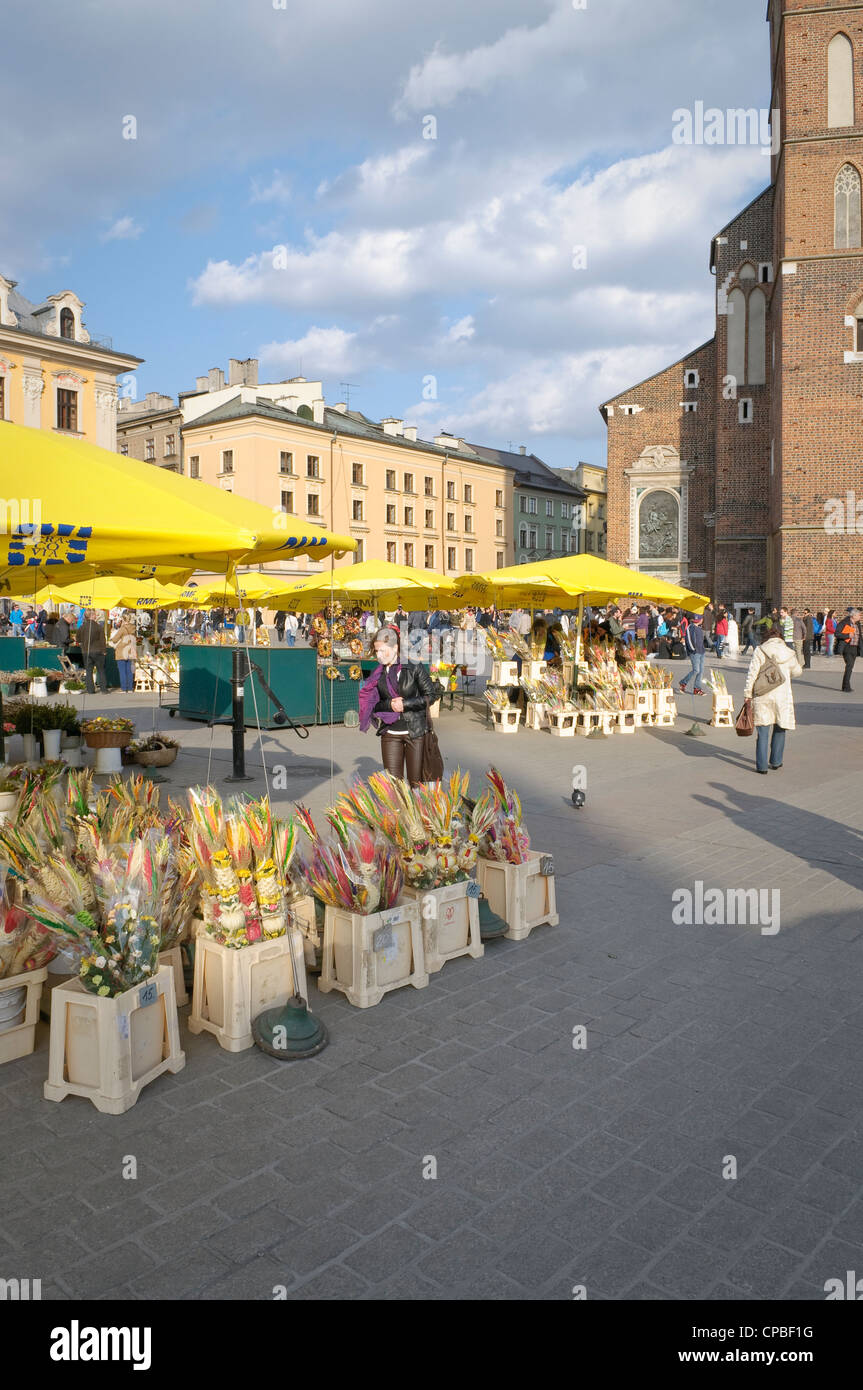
x=102, y=732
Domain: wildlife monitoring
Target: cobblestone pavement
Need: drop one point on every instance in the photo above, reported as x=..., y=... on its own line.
x=556, y=1165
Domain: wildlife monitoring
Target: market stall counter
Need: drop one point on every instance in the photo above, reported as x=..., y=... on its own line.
x=205, y=684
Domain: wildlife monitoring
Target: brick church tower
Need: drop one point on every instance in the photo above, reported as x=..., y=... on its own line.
x=724, y=468
x=817, y=304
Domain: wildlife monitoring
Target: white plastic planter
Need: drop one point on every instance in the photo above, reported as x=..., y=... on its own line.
x=31, y=748
x=365, y=957
x=449, y=917
x=51, y=743
x=303, y=913
x=174, y=958
x=7, y=805
x=39, y=688
x=233, y=986
x=522, y=894
x=108, y=1049
x=504, y=673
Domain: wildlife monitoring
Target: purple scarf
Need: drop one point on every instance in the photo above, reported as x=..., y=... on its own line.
x=369, y=696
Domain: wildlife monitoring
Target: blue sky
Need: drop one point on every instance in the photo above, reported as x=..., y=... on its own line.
x=404, y=257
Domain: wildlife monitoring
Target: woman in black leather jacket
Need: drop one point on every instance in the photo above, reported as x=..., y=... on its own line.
x=395, y=698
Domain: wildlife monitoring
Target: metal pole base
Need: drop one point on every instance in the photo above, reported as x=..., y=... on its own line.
x=491, y=927
x=696, y=731
x=290, y=1032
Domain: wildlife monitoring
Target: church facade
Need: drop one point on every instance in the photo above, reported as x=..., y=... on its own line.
x=738, y=470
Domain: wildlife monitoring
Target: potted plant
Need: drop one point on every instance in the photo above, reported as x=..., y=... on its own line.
x=26, y=724
x=38, y=679
x=9, y=790
x=102, y=732
x=52, y=722
x=156, y=750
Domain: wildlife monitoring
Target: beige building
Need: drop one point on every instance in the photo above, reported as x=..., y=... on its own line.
x=53, y=374
x=432, y=504
x=591, y=535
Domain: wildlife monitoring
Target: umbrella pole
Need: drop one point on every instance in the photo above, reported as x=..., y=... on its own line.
x=578, y=634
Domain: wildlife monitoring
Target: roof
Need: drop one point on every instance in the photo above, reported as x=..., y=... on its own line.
x=736, y=218
x=529, y=470
x=679, y=363
x=348, y=422
x=30, y=320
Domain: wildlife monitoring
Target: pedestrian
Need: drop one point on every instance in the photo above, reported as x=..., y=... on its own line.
x=799, y=635
x=290, y=629
x=91, y=635
x=395, y=698
x=694, y=644
x=808, y=638
x=16, y=619
x=720, y=632
x=708, y=623
x=642, y=626
x=768, y=686
x=817, y=632
x=57, y=631
x=747, y=629
x=280, y=624
x=829, y=631
x=849, y=644
x=124, y=642
x=628, y=621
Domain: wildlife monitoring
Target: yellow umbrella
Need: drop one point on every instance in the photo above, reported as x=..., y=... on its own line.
x=372, y=583
x=249, y=588
x=86, y=505
x=108, y=593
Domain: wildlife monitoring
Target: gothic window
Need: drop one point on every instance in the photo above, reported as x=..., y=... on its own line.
x=847, y=208
x=840, y=82
x=757, y=313
x=746, y=271
x=736, y=362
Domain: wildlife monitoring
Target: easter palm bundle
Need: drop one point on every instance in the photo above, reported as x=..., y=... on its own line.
x=350, y=866
x=505, y=836
x=243, y=857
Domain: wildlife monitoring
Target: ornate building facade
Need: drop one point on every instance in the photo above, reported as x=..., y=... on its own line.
x=724, y=468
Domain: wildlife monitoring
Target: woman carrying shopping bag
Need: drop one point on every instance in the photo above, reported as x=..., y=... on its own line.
x=768, y=688
x=396, y=698
x=125, y=645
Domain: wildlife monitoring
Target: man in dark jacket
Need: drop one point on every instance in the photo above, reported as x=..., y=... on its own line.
x=849, y=644
x=708, y=625
x=808, y=635
x=91, y=635
x=747, y=631
x=694, y=643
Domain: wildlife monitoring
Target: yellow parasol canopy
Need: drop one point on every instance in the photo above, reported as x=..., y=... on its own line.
x=86, y=505
x=555, y=583
x=106, y=593
x=371, y=583
x=248, y=588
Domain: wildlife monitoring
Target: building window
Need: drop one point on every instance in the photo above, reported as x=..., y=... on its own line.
x=522, y=504
x=67, y=410
x=690, y=380
x=549, y=540
x=564, y=511
x=409, y=553
x=391, y=480
x=522, y=538
x=409, y=482
x=170, y=446
x=840, y=82
x=858, y=335
x=588, y=540
x=313, y=466
x=194, y=466
x=468, y=560
x=124, y=448
x=429, y=487
x=227, y=460
x=286, y=462
x=287, y=502
x=689, y=407
x=357, y=511
x=847, y=208
x=549, y=507
x=409, y=516
x=468, y=522
x=391, y=514
x=765, y=273
x=468, y=492
x=566, y=541
x=391, y=552
x=498, y=527
x=357, y=474
x=450, y=557
x=450, y=521
x=429, y=518
x=531, y=506
x=756, y=364
x=358, y=553
x=450, y=492
x=531, y=538
x=600, y=511
x=745, y=414
x=500, y=559
x=312, y=504
x=429, y=557
x=67, y=323
x=150, y=450
x=498, y=497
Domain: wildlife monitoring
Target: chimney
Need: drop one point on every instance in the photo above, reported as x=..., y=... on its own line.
x=288, y=403
x=202, y=383
x=215, y=379
x=318, y=410
x=243, y=372
x=393, y=426
x=448, y=441
x=341, y=407
x=521, y=449
x=411, y=432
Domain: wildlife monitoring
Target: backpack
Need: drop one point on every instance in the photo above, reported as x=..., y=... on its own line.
x=768, y=679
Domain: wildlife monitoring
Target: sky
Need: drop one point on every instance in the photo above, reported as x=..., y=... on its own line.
x=476, y=214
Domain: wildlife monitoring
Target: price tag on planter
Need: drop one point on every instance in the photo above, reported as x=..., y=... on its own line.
x=149, y=994
x=384, y=940
x=474, y=890
x=546, y=865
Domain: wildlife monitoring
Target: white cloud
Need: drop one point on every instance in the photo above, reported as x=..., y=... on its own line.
x=322, y=351
x=461, y=331
x=278, y=190
x=124, y=229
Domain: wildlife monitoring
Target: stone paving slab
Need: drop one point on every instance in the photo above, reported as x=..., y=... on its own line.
x=555, y=1165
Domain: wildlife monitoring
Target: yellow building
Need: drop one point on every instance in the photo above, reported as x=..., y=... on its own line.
x=434, y=504
x=591, y=535
x=53, y=375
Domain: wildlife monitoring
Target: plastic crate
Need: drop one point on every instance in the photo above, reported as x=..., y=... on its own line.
x=522, y=894
x=174, y=957
x=506, y=721
x=19, y=1041
x=449, y=917
x=366, y=957
x=233, y=986
x=562, y=722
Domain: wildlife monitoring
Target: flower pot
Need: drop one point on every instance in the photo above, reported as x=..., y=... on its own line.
x=366, y=956
x=522, y=894
x=69, y=740
x=7, y=801
x=450, y=922
x=39, y=688
x=233, y=986
x=157, y=757
x=31, y=748
x=20, y=1013
x=51, y=742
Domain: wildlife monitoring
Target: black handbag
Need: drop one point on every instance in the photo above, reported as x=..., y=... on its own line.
x=432, y=768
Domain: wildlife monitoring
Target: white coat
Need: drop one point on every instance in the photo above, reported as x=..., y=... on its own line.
x=778, y=706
